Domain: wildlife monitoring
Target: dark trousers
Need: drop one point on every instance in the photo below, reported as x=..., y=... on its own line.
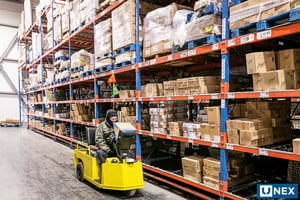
x=102, y=155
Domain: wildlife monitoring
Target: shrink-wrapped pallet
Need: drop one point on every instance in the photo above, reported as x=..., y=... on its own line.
x=57, y=29
x=74, y=15
x=29, y=12
x=88, y=10
x=103, y=38
x=65, y=18
x=81, y=58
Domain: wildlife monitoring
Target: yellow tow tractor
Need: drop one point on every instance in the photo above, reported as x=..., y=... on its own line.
x=117, y=173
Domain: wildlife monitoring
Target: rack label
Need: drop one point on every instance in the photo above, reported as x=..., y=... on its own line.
x=215, y=144
x=140, y=65
x=214, y=96
x=229, y=146
x=230, y=95
x=215, y=47
x=264, y=95
x=223, y=103
x=153, y=61
x=169, y=98
x=223, y=28
x=263, y=152
x=147, y=63
x=151, y=134
x=168, y=137
x=190, y=97
x=151, y=99
x=223, y=69
x=231, y=43
x=183, y=54
x=247, y=38
x=170, y=57
x=190, y=140
x=264, y=34
x=192, y=52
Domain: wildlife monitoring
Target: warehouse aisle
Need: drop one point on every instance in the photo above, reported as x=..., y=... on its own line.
x=32, y=167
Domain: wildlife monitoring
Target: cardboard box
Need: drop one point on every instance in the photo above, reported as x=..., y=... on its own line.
x=275, y=80
x=211, y=168
x=182, y=83
x=169, y=85
x=193, y=163
x=214, y=133
x=289, y=59
x=233, y=136
x=247, y=137
x=211, y=182
x=123, y=94
x=296, y=145
x=175, y=128
x=153, y=90
x=192, y=175
x=260, y=62
x=213, y=115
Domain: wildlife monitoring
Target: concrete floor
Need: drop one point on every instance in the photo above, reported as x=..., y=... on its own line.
x=33, y=167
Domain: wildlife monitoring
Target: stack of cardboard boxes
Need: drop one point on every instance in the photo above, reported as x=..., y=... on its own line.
x=153, y=90
x=265, y=76
x=159, y=119
x=255, y=10
x=81, y=112
x=61, y=128
x=211, y=131
x=126, y=93
x=193, y=168
x=103, y=43
x=29, y=13
x=192, y=86
x=191, y=130
x=128, y=114
x=266, y=124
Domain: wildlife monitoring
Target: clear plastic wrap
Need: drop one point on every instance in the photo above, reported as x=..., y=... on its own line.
x=180, y=25
x=61, y=53
x=81, y=58
x=128, y=56
x=201, y=5
x=65, y=18
x=103, y=38
x=57, y=29
x=198, y=27
x=123, y=25
x=74, y=15
x=88, y=9
x=104, y=63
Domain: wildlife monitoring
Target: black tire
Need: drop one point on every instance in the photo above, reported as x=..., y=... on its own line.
x=130, y=193
x=80, y=171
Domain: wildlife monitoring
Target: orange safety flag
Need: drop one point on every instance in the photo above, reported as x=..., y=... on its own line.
x=112, y=79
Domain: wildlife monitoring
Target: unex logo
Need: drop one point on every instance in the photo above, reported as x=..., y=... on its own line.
x=277, y=191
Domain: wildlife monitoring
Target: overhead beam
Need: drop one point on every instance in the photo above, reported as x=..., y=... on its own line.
x=9, y=26
x=8, y=93
x=10, y=60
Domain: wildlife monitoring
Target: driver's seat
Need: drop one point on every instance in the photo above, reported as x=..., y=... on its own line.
x=91, y=139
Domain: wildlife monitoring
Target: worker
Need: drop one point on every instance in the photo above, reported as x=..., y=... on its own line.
x=105, y=137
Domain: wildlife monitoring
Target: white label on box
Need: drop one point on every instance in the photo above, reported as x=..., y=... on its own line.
x=223, y=103
x=183, y=54
x=192, y=52
x=229, y=146
x=215, y=47
x=231, y=43
x=230, y=95
x=170, y=57
x=217, y=138
x=263, y=152
x=264, y=95
x=215, y=144
x=207, y=137
x=153, y=61
x=264, y=34
x=223, y=69
x=247, y=38
x=214, y=96
x=168, y=45
x=155, y=48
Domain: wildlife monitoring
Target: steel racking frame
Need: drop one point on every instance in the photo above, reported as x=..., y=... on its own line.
x=222, y=48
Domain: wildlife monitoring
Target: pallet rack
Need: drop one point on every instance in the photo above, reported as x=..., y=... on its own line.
x=222, y=48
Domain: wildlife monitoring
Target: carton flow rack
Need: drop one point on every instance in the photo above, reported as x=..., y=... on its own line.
x=267, y=39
